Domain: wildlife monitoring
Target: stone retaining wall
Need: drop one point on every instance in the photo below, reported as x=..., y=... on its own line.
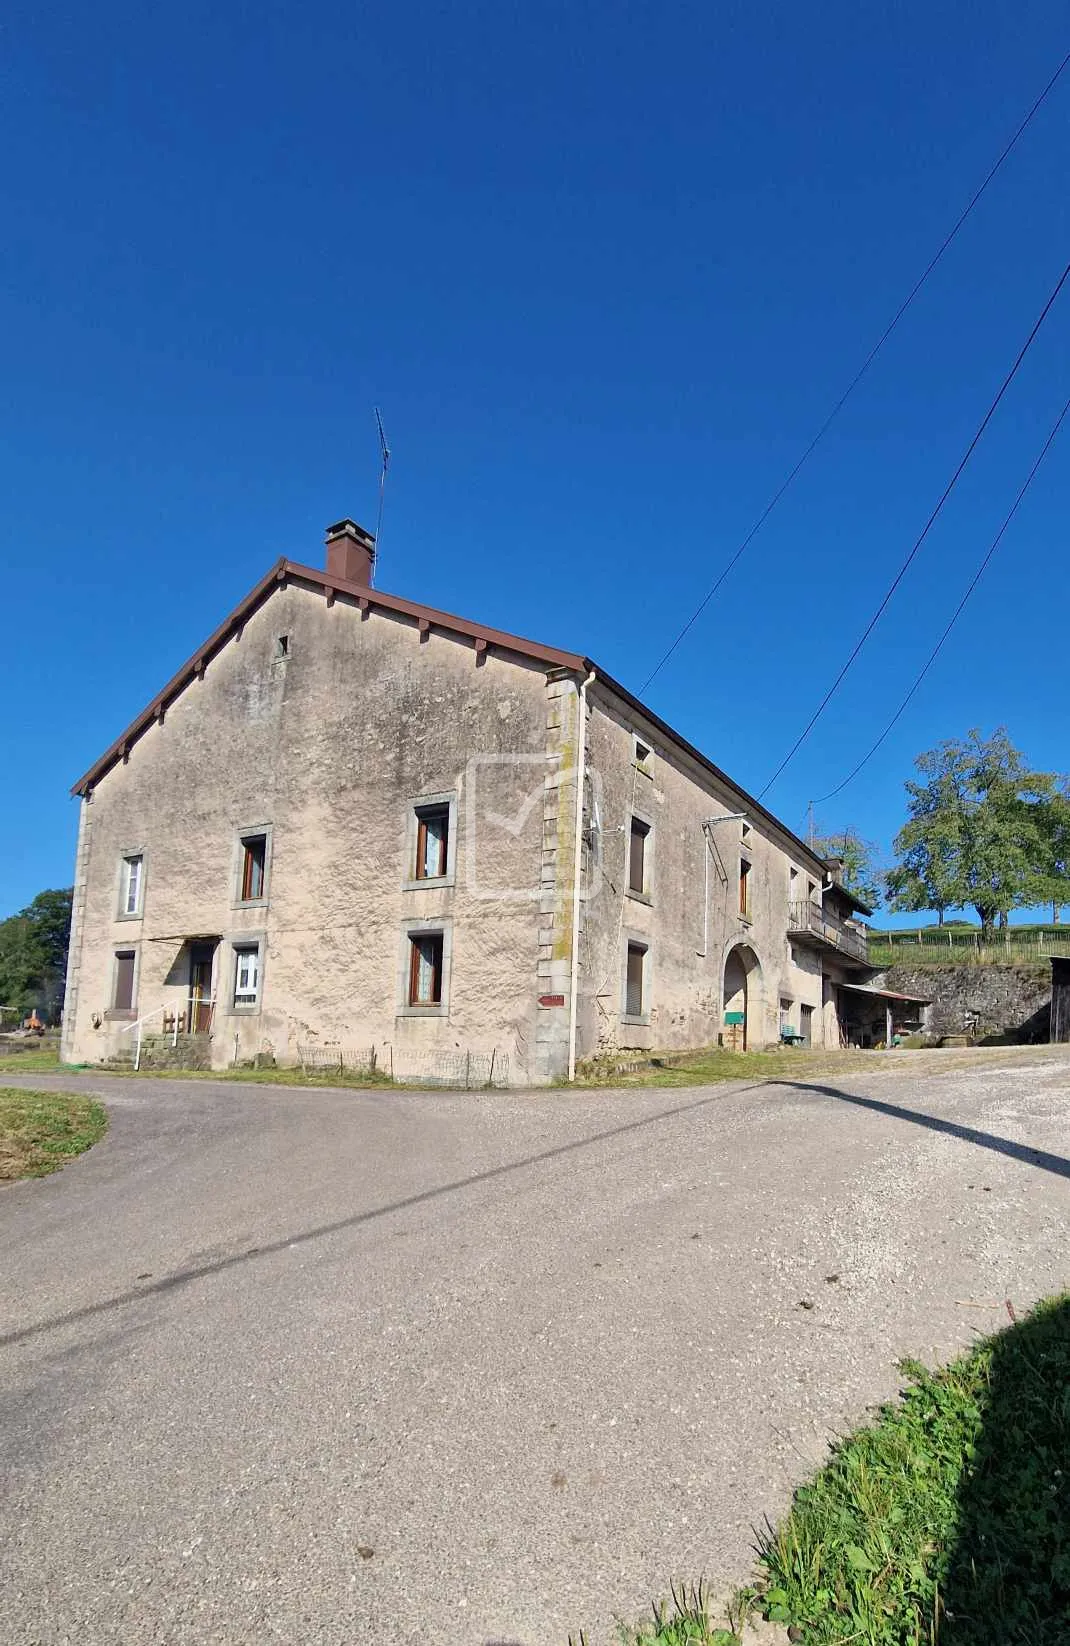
x=980, y=1001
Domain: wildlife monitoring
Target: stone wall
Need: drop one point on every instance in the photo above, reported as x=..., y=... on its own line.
x=979, y=1000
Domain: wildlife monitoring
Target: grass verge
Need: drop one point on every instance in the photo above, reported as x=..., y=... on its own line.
x=40, y=1131
x=945, y=1522
x=43, y=1061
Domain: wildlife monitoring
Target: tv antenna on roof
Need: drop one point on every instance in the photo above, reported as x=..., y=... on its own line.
x=385, y=450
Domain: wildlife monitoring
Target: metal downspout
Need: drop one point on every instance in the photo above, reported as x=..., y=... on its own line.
x=581, y=780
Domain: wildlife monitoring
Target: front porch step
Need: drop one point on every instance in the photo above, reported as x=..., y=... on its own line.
x=162, y=1051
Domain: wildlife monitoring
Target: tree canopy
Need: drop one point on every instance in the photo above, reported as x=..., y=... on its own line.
x=984, y=832
x=861, y=873
x=33, y=954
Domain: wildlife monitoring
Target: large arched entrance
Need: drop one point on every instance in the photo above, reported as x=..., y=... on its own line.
x=742, y=994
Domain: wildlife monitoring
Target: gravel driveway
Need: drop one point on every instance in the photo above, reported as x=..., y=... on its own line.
x=369, y=1368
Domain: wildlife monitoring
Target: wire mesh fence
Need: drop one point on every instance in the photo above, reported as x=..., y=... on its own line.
x=955, y=943
x=338, y=1059
x=460, y=1068
x=468, y=1070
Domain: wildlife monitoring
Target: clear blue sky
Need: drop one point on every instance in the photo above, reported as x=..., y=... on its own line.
x=605, y=269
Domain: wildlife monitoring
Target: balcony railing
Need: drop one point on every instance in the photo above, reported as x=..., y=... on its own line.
x=811, y=920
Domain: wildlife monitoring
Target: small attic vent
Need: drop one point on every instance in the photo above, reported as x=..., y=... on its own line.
x=282, y=646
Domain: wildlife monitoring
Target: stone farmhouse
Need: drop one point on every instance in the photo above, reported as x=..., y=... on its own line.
x=351, y=822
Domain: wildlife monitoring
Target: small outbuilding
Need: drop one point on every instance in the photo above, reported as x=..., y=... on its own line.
x=872, y=1017
x=1060, y=999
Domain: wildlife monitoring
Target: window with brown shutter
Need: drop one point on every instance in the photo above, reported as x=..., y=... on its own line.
x=123, y=998
x=637, y=856
x=635, y=981
x=744, y=888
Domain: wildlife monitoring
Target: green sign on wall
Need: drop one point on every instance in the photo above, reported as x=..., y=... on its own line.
x=735, y=1017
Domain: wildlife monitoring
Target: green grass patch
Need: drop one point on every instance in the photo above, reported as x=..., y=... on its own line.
x=40, y=1060
x=683, y=1620
x=40, y=1131
x=259, y=1077
x=946, y=1522
x=714, y=1064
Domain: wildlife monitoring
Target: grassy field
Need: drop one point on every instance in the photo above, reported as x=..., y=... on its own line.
x=958, y=943
x=40, y=1131
x=943, y=1523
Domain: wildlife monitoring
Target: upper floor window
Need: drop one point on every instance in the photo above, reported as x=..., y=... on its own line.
x=131, y=883
x=253, y=867
x=744, y=889
x=638, y=857
x=432, y=841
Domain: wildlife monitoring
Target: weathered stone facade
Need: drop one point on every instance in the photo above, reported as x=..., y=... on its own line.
x=323, y=723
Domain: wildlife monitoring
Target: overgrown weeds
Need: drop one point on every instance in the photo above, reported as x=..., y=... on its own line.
x=683, y=1620
x=945, y=1523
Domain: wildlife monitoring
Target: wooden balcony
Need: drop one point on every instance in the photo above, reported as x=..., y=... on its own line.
x=810, y=923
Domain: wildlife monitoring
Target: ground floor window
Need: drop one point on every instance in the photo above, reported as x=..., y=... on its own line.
x=246, y=974
x=636, y=983
x=123, y=991
x=425, y=968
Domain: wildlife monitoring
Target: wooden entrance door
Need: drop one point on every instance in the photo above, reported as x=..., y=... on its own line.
x=200, y=988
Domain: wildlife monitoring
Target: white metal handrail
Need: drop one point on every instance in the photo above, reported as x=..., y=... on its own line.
x=147, y=1017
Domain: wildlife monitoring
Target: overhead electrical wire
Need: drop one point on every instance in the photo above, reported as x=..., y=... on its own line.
x=859, y=374
x=920, y=539
x=957, y=613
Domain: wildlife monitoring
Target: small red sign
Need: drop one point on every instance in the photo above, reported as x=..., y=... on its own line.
x=551, y=1000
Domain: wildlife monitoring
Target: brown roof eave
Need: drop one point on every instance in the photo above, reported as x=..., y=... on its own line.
x=193, y=666
x=703, y=760
x=446, y=621
x=548, y=656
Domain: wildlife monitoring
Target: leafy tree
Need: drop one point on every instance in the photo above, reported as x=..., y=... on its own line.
x=861, y=874
x=984, y=831
x=1054, y=878
x=33, y=953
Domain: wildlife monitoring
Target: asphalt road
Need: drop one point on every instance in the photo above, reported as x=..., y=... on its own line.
x=371, y=1368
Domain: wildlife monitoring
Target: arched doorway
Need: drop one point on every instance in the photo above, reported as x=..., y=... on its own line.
x=742, y=993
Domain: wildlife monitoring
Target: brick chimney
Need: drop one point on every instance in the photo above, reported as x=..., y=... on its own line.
x=350, y=552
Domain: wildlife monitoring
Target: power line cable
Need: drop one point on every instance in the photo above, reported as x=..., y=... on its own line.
x=901, y=573
x=977, y=576
x=857, y=378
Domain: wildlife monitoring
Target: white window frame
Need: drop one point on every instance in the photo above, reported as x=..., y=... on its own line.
x=447, y=801
x=126, y=860
x=241, y=944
